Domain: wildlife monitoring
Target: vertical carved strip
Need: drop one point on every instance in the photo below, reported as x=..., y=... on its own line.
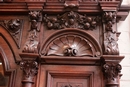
x=30, y=69
x=32, y=43
x=110, y=34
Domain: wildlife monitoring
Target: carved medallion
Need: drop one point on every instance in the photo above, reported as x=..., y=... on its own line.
x=71, y=20
x=14, y=26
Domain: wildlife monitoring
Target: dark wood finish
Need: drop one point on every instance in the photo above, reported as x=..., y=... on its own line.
x=61, y=43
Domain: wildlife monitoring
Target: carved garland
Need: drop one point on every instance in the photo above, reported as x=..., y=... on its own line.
x=110, y=34
x=71, y=20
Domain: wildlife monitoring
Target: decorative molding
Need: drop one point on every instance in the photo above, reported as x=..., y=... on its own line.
x=70, y=78
x=65, y=84
x=110, y=34
x=71, y=20
x=32, y=43
x=14, y=27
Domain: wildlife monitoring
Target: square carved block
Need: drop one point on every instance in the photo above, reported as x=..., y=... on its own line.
x=70, y=79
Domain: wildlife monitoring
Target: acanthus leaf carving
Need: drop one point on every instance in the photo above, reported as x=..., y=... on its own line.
x=71, y=20
x=71, y=45
x=31, y=45
x=110, y=34
x=30, y=69
x=14, y=26
x=111, y=71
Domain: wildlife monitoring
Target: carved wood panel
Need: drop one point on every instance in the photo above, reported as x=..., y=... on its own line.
x=65, y=43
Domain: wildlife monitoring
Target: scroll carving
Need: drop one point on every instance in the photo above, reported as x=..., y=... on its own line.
x=14, y=26
x=71, y=20
x=32, y=43
x=70, y=45
x=71, y=4
x=110, y=34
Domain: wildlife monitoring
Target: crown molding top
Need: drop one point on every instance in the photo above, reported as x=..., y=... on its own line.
x=93, y=7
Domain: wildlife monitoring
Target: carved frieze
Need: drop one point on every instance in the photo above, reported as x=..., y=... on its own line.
x=14, y=26
x=110, y=34
x=71, y=20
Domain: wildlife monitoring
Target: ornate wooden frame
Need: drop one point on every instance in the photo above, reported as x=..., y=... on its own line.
x=31, y=29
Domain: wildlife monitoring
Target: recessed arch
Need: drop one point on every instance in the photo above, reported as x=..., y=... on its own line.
x=71, y=36
x=7, y=67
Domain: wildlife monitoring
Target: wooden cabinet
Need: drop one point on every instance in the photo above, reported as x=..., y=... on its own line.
x=61, y=43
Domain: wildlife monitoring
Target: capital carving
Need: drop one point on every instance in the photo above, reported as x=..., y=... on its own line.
x=30, y=69
x=111, y=71
x=32, y=42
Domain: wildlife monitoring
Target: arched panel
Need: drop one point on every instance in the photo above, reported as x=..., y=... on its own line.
x=8, y=62
x=70, y=42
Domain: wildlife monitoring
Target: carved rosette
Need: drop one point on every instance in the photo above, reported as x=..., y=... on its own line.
x=14, y=26
x=30, y=69
x=71, y=20
x=32, y=43
x=110, y=34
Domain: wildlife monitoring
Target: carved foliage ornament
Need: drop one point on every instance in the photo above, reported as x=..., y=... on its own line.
x=32, y=43
x=110, y=34
x=14, y=26
x=71, y=20
x=111, y=71
x=30, y=69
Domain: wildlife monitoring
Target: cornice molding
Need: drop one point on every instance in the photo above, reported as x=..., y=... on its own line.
x=18, y=7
